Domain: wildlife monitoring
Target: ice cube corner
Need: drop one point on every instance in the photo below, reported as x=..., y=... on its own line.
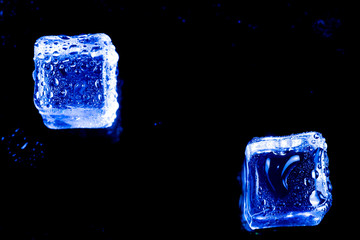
x=76, y=81
x=285, y=181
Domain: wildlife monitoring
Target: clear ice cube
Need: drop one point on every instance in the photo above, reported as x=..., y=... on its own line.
x=285, y=181
x=75, y=81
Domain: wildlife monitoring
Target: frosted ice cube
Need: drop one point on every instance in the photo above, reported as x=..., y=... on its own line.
x=285, y=181
x=75, y=81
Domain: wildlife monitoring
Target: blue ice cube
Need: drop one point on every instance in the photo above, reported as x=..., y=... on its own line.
x=285, y=181
x=75, y=81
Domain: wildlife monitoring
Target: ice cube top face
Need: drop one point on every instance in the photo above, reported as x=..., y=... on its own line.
x=285, y=181
x=75, y=81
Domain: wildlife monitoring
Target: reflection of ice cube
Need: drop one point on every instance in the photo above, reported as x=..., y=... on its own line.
x=285, y=181
x=75, y=81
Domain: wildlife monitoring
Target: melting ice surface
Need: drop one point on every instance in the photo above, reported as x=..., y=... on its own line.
x=75, y=81
x=285, y=181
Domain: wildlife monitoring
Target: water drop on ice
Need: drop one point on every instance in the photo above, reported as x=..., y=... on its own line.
x=63, y=37
x=314, y=200
x=74, y=47
x=95, y=49
x=327, y=172
x=40, y=55
x=314, y=174
x=329, y=186
x=63, y=92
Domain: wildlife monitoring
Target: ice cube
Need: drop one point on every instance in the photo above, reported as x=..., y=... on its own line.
x=285, y=181
x=75, y=81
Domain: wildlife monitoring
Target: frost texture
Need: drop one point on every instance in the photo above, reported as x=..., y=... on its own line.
x=75, y=81
x=285, y=181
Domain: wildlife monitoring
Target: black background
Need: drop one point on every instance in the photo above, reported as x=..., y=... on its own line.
x=199, y=80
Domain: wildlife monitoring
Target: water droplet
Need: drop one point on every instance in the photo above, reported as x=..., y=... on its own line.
x=56, y=81
x=63, y=92
x=47, y=58
x=40, y=55
x=329, y=186
x=95, y=49
x=49, y=67
x=314, y=174
x=63, y=37
x=314, y=198
x=316, y=136
x=327, y=172
x=24, y=146
x=74, y=49
x=56, y=54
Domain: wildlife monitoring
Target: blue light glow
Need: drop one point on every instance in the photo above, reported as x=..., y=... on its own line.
x=75, y=81
x=285, y=181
